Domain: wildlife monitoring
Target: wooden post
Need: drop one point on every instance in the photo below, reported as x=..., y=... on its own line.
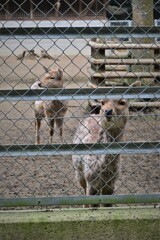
x=142, y=12
x=98, y=54
x=7, y=10
x=143, y=17
x=106, y=3
x=57, y=6
x=31, y=9
x=80, y=7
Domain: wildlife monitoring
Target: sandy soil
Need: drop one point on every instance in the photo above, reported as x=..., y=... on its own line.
x=54, y=176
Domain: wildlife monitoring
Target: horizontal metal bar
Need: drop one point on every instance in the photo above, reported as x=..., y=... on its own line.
x=80, y=200
x=76, y=149
x=79, y=32
x=80, y=94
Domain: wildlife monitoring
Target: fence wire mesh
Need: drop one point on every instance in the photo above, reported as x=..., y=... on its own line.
x=77, y=62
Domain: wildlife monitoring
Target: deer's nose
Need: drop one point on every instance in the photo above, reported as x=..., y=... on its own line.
x=108, y=112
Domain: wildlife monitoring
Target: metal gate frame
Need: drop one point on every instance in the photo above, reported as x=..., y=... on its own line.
x=61, y=94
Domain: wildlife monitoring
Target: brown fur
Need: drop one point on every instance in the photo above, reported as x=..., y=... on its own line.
x=52, y=78
x=97, y=174
x=54, y=110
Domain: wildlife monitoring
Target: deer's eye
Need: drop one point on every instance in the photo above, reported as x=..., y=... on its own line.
x=122, y=102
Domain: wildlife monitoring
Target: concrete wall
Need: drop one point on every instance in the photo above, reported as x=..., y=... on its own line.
x=76, y=224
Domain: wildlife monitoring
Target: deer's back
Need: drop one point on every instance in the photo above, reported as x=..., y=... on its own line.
x=53, y=108
x=88, y=130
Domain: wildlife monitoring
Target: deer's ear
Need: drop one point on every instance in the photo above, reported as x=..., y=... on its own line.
x=122, y=102
x=101, y=101
x=45, y=69
x=59, y=73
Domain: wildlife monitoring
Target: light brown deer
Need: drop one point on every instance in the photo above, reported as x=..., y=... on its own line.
x=53, y=110
x=97, y=174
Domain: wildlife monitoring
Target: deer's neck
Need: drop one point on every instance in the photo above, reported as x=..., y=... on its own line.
x=115, y=135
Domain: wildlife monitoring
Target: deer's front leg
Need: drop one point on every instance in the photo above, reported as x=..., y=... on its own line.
x=51, y=126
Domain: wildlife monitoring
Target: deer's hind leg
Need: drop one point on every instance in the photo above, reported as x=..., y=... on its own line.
x=51, y=126
x=59, y=124
x=37, y=127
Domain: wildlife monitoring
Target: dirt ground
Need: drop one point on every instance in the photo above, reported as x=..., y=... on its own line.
x=54, y=176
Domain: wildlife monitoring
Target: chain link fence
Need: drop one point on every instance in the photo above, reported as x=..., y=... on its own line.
x=59, y=61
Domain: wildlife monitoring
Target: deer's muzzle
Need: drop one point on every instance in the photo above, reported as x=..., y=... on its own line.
x=108, y=113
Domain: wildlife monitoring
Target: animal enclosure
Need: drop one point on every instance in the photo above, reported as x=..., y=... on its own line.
x=30, y=47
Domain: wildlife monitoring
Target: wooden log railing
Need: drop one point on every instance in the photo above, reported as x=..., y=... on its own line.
x=122, y=45
x=111, y=65
x=117, y=64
